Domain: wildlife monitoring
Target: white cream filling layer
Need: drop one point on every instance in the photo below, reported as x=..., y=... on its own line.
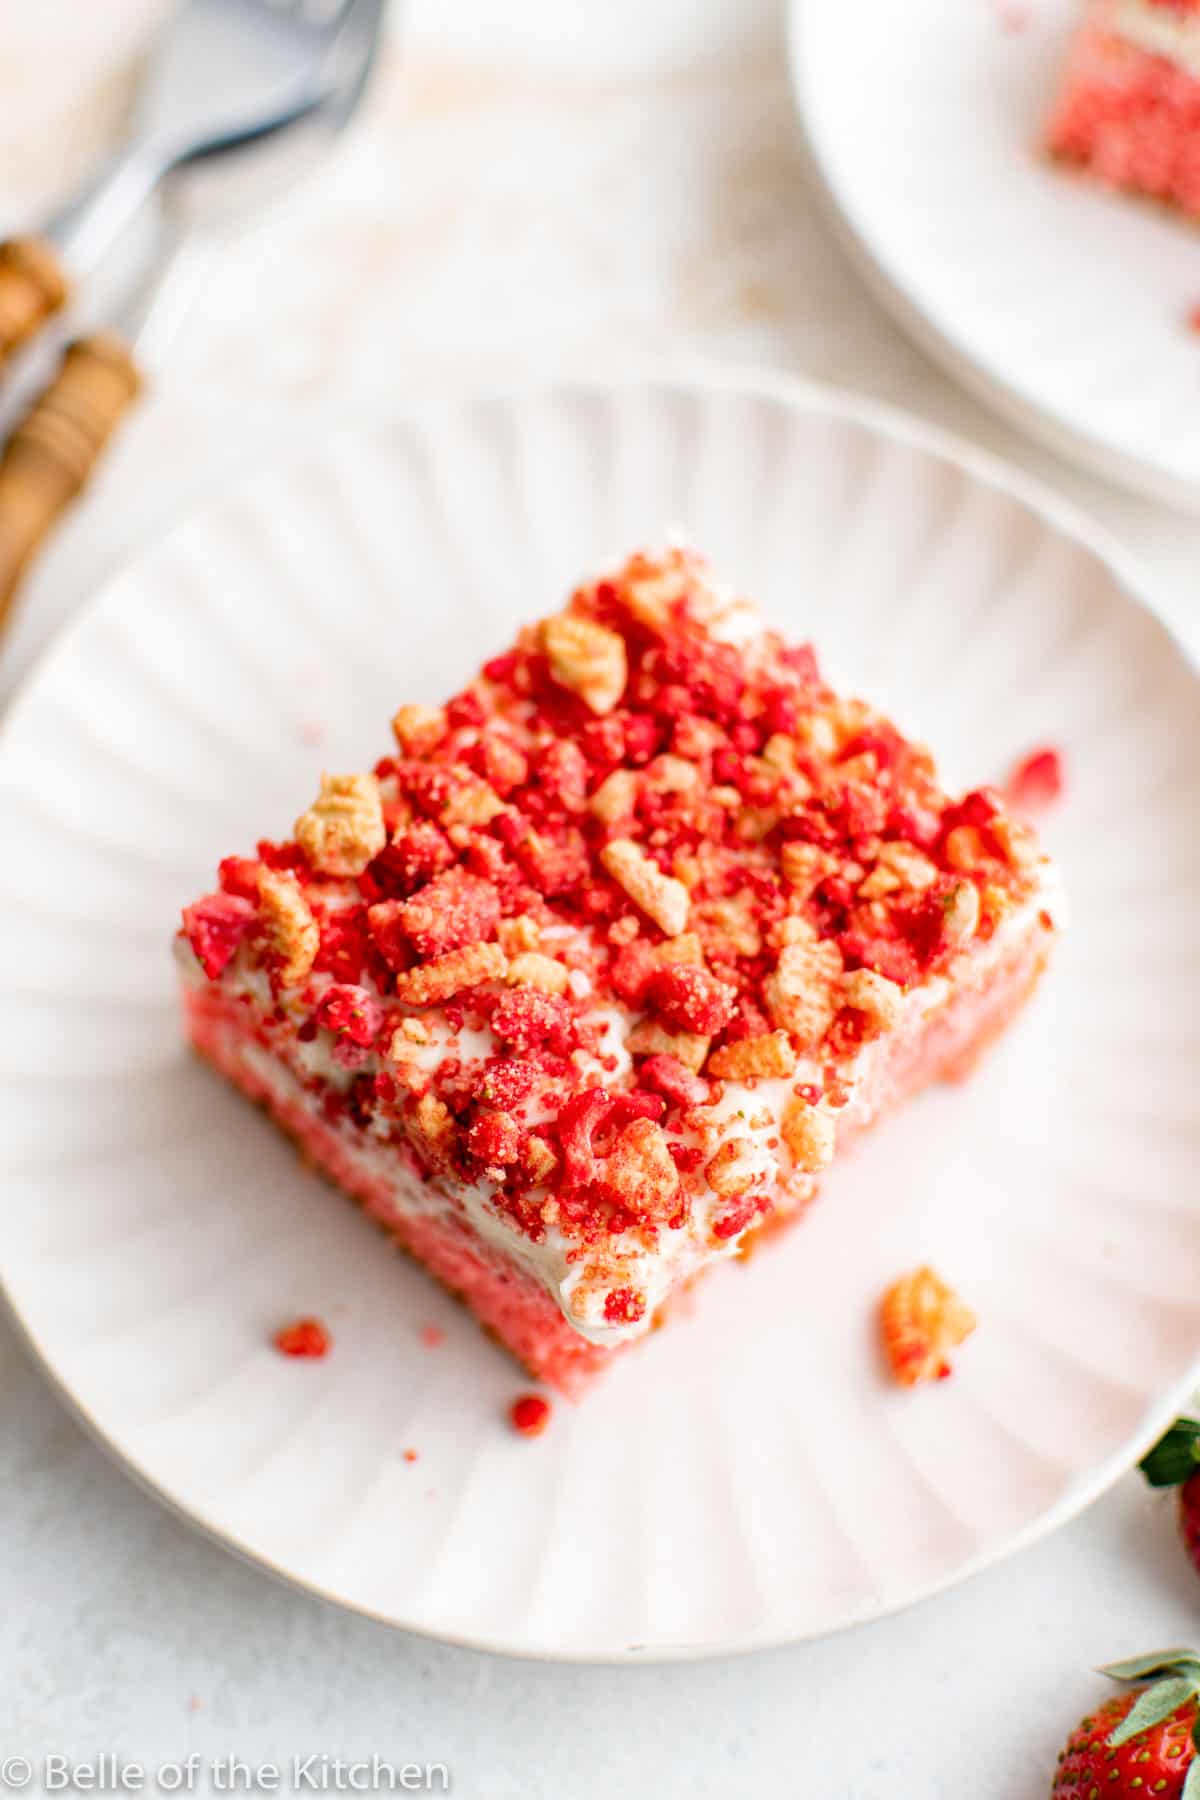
x=751, y=1115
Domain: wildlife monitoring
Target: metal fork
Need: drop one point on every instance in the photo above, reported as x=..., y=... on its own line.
x=225, y=73
x=55, y=446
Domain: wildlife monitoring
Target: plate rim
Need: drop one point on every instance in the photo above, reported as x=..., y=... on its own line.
x=793, y=394
x=1093, y=452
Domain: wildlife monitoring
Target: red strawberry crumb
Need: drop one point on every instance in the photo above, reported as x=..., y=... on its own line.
x=351, y=1012
x=527, y=1020
x=494, y=1137
x=432, y=1336
x=633, y=969
x=215, y=927
x=239, y=875
x=410, y=1456
x=1035, y=782
x=507, y=1080
x=623, y=1307
x=346, y=949
x=578, y=1122
x=691, y=999
x=452, y=910
x=667, y=1076
x=737, y=1215
x=421, y=851
x=1193, y=317
x=388, y=936
x=530, y=1415
x=304, y=1337
x=555, y=867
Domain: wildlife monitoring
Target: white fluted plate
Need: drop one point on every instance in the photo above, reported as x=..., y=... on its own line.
x=748, y=1475
x=1061, y=304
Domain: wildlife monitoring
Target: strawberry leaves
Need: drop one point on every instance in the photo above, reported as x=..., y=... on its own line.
x=1159, y=1662
x=1175, y=1683
x=1175, y=1456
x=1152, y=1707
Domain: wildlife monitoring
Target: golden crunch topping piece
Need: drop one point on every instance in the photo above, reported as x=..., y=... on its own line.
x=660, y=896
x=343, y=829
x=291, y=928
x=587, y=658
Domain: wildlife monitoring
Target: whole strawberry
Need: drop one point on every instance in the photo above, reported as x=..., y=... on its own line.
x=1139, y=1744
x=1175, y=1462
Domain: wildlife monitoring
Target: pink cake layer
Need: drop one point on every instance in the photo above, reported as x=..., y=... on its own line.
x=943, y=1044
x=506, y=1302
x=1131, y=117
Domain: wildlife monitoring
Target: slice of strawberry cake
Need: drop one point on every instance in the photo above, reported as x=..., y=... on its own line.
x=1128, y=107
x=585, y=983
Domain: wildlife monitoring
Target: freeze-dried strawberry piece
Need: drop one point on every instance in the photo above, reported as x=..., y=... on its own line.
x=388, y=934
x=643, y=738
x=555, y=865
x=283, y=856
x=351, y=1012
x=880, y=740
x=578, y=1123
x=637, y=1104
x=978, y=808
x=415, y=856
x=779, y=711
x=452, y=910
x=801, y=659
x=737, y=1214
x=914, y=823
x=502, y=765
x=667, y=1076
x=603, y=743
x=346, y=950
x=530, y=1415
x=494, y=1137
x=859, y=810
x=562, y=774
x=431, y=785
x=945, y=918
x=892, y=957
x=633, y=969
x=749, y=1020
x=465, y=711
x=215, y=927
x=239, y=875
x=624, y=1307
x=507, y=1080
x=1036, y=782
x=304, y=1337
x=691, y=999
x=530, y=1020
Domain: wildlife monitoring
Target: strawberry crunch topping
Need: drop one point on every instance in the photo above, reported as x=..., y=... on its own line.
x=530, y=1415
x=608, y=930
x=922, y=1320
x=304, y=1337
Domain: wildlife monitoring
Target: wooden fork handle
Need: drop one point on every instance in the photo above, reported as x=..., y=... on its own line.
x=54, y=449
x=32, y=286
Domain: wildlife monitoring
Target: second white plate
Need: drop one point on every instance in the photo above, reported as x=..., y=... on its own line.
x=1064, y=306
x=749, y=1474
